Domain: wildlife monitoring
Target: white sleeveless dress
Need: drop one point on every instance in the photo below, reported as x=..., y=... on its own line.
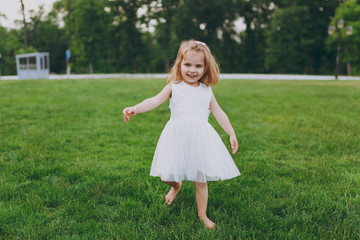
x=189, y=148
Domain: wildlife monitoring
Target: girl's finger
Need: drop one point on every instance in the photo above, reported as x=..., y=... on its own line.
x=129, y=111
x=234, y=146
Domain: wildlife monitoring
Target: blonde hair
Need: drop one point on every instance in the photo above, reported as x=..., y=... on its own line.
x=211, y=69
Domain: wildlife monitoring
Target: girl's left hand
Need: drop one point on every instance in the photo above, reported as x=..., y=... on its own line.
x=234, y=144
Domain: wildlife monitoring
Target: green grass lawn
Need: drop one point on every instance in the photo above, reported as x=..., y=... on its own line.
x=70, y=168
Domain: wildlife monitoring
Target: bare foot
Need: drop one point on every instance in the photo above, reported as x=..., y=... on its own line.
x=207, y=222
x=170, y=197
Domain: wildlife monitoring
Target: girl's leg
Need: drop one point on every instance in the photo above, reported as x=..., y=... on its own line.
x=175, y=188
x=201, y=192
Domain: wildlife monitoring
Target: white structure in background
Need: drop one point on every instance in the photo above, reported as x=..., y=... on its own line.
x=33, y=65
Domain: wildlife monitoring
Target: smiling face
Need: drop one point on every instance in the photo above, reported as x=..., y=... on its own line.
x=192, y=67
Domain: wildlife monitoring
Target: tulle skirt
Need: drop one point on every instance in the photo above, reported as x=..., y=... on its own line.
x=191, y=149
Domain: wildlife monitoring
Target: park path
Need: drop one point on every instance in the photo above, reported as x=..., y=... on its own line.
x=233, y=76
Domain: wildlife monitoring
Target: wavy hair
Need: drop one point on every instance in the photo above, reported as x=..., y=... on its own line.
x=211, y=68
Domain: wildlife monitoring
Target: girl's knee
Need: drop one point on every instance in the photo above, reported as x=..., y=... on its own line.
x=200, y=185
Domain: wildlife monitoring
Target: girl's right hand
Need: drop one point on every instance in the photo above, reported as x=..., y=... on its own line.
x=234, y=144
x=129, y=112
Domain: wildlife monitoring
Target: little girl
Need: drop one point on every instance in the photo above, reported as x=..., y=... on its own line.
x=189, y=148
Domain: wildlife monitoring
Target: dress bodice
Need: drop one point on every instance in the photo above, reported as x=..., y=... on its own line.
x=190, y=102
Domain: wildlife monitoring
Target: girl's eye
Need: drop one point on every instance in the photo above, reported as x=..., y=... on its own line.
x=198, y=66
x=187, y=64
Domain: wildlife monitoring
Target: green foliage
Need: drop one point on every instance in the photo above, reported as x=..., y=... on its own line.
x=70, y=168
x=349, y=11
x=320, y=12
x=46, y=36
x=128, y=46
x=30, y=49
x=113, y=36
x=286, y=52
x=91, y=33
x=256, y=15
x=9, y=44
x=165, y=32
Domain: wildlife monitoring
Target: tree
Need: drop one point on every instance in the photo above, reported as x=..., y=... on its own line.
x=349, y=11
x=2, y=16
x=113, y=35
x=91, y=34
x=45, y=35
x=128, y=44
x=165, y=16
x=9, y=44
x=257, y=15
x=66, y=8
x=319, y=14
x=211, y=22
x=285, y=52
x=25, y=27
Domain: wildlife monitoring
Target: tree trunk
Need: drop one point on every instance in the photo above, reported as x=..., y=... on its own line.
x=309, y=64
x=348, y=64
x=148, y=46
x=337, y=61
x=134, y=65
x=91, y=68
x=250, y=47
x=25, y=27
x=69, y=27
x=167, y=63
x=348, y=68
x=167, y=43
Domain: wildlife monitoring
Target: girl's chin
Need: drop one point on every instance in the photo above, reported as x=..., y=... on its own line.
x=192, y=80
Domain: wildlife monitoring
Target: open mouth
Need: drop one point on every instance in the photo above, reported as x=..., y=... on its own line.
x=191, y=76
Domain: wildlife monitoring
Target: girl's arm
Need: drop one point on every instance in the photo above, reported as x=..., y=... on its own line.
x=148, y=104
x=224, y=122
